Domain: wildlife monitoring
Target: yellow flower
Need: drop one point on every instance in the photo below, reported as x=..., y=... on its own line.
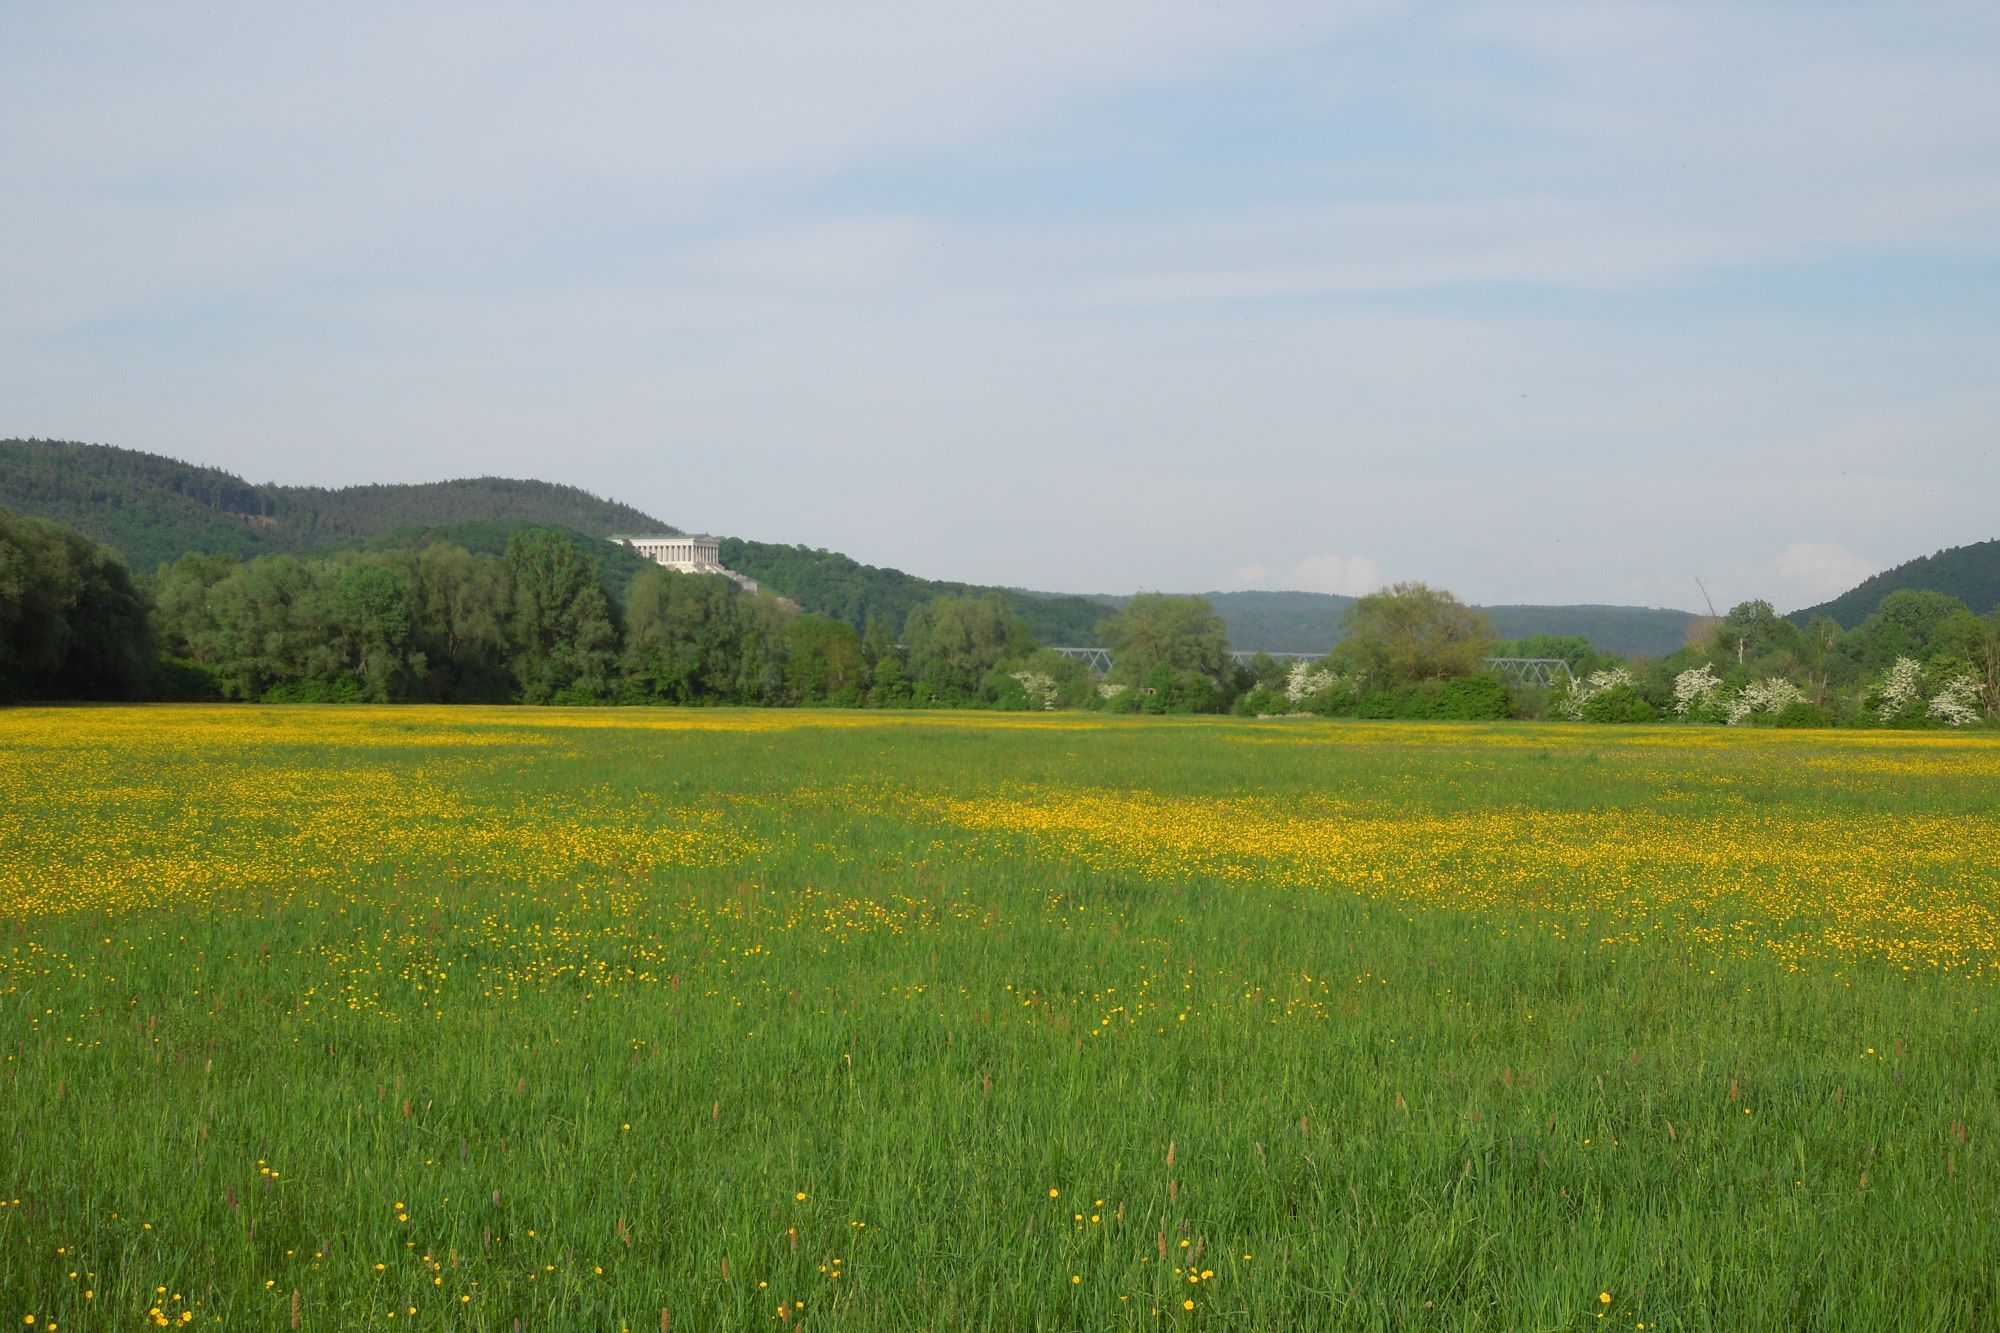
x=800, y=1196
x=1604, y=1298
x=1054, y=1192
x=1074, y=1279
x=1187, y=1305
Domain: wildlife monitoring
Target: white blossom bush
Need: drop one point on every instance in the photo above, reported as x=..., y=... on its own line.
x=1304, y=682
x=1956, y=702
x=1901, y=690
x=1570, y=702
x=1767, y=697
x=1695, y=692
x=1041, y=689
x=1108, y=691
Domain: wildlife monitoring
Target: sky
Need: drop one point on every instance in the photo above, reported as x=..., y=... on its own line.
x=1539, y=302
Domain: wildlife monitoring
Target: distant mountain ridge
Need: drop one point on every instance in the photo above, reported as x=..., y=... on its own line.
x=1310, y=622
x=1969, y=573
x=152, y=509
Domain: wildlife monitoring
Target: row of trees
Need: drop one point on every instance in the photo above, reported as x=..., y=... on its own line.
x=539, y=623
x=1921, y=658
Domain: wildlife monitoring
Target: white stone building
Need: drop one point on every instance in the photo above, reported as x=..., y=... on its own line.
x=699, y=554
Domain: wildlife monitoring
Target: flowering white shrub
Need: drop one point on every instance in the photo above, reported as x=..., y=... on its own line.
x=1696, y=688
x=1956, y=702
x=1901, y=689
x=1305, y=680
x=1111, y=691
x=1040, y=687
x=1570, y=702
x=1769, y=696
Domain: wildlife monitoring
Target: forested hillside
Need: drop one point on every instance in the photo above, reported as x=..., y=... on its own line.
x=1624, y=631
x=152, y=510
x=1969, y=573
x=831, y=584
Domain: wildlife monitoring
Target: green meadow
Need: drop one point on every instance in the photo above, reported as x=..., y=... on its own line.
x=506, y=1019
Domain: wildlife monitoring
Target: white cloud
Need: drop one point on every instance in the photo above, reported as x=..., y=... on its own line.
x=1248, y=576
x=1815, y=571
x=1348, y=575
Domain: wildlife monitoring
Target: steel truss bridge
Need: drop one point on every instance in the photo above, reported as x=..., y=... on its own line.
x=1542, y=671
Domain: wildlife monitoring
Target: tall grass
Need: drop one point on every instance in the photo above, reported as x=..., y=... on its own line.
x=498, y=1018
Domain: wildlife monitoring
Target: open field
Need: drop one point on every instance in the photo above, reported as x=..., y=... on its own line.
x=458, y=1018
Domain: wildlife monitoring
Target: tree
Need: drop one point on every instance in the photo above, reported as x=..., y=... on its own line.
x=823, y=662
x=182, y=614
x=561, y=628
x=683, y=636
x=954, y=641
x=1753, y=630
x=264, y=622
x=1411, y=631
x=72, y=623
x=1903, y=625
x=369, y=627
x=460, y=608
x=1155, y=629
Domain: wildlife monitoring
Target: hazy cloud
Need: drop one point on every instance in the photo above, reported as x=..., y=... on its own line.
x=1819, y=570
x=1349, y=575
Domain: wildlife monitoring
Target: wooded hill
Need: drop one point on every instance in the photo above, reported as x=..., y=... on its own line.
x=152, y=510
x=832, y=584
x=1969, y=573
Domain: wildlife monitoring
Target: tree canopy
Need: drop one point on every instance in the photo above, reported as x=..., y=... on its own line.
x=1411, y=632
x=1182, y=634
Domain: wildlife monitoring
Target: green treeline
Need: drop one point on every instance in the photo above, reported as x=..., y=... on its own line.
x=538, y=620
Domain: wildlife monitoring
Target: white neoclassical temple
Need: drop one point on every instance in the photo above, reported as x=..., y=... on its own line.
x=698, y=554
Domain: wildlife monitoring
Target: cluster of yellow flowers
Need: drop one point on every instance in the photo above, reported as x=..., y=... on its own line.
x=126, y=809
x=1908, y=889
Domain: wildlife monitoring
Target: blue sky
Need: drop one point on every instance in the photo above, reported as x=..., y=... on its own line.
x=1537, y=301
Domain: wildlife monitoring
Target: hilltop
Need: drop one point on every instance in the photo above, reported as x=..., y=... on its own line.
x=1969, y=573
x=152, y=509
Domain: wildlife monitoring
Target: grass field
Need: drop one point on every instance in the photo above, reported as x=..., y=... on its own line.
x=613, y=1020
